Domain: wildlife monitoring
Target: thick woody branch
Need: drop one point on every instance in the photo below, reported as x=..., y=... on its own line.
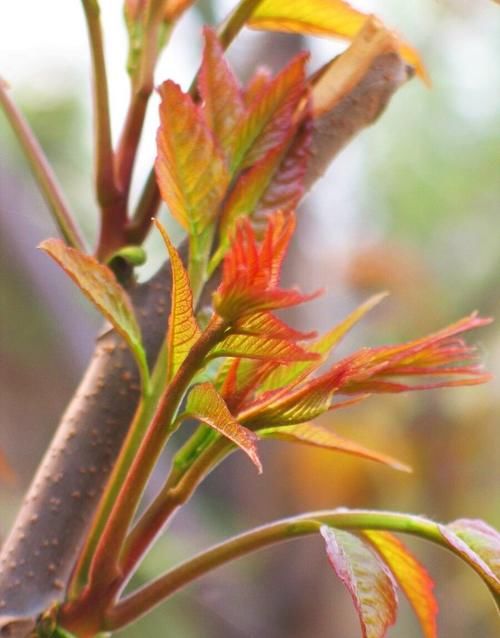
x=37, y=558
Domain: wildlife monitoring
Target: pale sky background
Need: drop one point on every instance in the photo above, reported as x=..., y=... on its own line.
x=43, y=51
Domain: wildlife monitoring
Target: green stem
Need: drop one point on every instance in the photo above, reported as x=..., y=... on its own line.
x=176, y=491
x=104, y=567
x=42, y=171
x=113, y=210
x=140, y=602
x=146, y=210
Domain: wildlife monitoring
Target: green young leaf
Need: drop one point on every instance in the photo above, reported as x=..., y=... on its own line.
x=318, y=436
x=100, y=286
x=260, y=347
x=479, y=545
x=411, y=576
x=367, y=579
x=205, y=404
x=183, y=330
x=191, y=172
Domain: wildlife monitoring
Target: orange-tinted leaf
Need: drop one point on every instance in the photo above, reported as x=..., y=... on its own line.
x=260, y=347
x=293, y=374
x=191, y=172
x=205, y=404
x=183, y=330
x=259, y=82
x=100, y=286
x=367, y=579
x=175, y=8
x=251, y=272
x=271, y=113
x=323, y=18
x=317, y=436
x=479, y=545
x=223, y=104
x=411, y=576
x=433, y=355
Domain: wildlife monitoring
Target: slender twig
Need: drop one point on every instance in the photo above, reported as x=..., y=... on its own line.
x=143, y=600
x=142, y=83
x=42, y=171
x=110, y=201
x=235, y=21
x=176, y=491
x=146, y=210
x=150, y=199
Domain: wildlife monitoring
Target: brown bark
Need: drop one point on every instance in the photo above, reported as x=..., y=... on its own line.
x=37, y=558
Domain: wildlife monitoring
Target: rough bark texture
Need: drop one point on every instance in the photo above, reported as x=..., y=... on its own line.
x=36, y=559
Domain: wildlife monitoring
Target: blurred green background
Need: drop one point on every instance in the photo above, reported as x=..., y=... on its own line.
x=412, y=206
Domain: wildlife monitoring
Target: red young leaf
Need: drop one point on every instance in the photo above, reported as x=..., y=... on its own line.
x=205, y=404
x=251, y=272
x=190, y=169
x=183, y=330
x=271, y=113
x=317, y=436
x=366, y=578
x=286, y=188
x=297, y=372
x=99, y=285
x=432, y=355
x=411, y=577
x=223, y=104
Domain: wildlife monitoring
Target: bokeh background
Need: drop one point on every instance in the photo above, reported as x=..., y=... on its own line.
x=412, y=206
